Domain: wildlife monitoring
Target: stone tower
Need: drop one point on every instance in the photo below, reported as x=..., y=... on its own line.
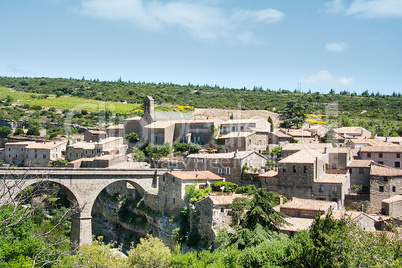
x=149, y=107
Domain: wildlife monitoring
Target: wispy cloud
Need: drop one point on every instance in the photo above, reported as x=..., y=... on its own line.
x=195, y=18
x=367, y=8
x=336, y=47
x=325, y=77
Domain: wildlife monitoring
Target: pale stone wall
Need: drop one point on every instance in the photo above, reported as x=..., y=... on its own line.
x=387, y=159
x=393, y=209
x=360, y=176
x=383, y=188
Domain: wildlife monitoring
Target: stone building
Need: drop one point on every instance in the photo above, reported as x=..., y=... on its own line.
x=386, y=155
x=115, y=131
x=291, y=148
x=172, y=188
x=297, y=174
x=385, y=182
x=40, y=154
x=359, y=171
x=307, y=208
x=392, y=206
x=214, y=215
x=353, y=132
x=257, y=125
x=244, y=141
x=94, y=135
x=332, y=187
x=228, y=165
x=92, y=149
x=36, y=154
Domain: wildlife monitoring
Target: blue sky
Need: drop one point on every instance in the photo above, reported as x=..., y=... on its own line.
x=314, y=45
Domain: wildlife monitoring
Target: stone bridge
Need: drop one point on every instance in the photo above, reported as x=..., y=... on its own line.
x=81, y=185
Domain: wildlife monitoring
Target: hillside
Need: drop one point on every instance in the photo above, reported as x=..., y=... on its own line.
x=379, y=113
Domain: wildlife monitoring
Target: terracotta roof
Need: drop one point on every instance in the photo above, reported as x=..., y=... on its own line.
x=393, y=199
x=339, y=214
x=116, y=127
x=195, y=175
x=296, y=224
x=307, y=156
x=269, y=174
x=360, y=163
x=339, y=150
x=225, y=199
x=381, y=170
x=332, y=178
x=97, y=132
x=160, y=124
x=382, y=149
x=240, y=154
x=369, y=142
x=47, y=145
x=301, y=146
x=241, y=121
x=309, y=204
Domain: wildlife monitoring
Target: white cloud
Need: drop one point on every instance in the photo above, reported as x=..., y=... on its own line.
x=325, y=77
x=367, y=8
x=336, y=47
x=195, y=18
x=335, y=6
x=376, y=8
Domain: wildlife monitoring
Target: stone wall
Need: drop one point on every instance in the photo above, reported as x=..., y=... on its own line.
x=392, y=209
x=382, y=188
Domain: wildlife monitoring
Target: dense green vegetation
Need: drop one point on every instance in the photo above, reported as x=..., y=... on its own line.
x=379, y=113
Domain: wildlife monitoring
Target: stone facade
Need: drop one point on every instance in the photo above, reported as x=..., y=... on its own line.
x=359, y=171
x=227, y=165
x=386, y=155
x=244, y=124
x=244, y=141
x=385, y=182
x=392, y=206
x=94, y=135
x=172, y=188
x=94, y=149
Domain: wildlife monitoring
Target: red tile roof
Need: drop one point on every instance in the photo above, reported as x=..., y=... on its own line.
x=381, y=170
x=269, y=174
x=195, y=175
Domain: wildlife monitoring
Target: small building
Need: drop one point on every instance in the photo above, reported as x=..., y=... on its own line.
x=385, y=155
x=228, y=165
x=172, y=188
x=307, y=208
x=214, y=215
x=291, y=148
x=338, y=158
x=332, y=187
x=40, y=154
x=359, y=171
x=94, y=135
x=353, y=132
x=392, y=206
x=14, y=152
x=244, y=124
x=244, y=141
x=115, y=131
x=92, y=149
x=385, y=182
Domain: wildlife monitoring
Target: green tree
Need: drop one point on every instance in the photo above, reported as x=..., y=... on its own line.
x=271, y=122
x=5, y=131
x=187, y=148
x=132, y=137
x=158, y=152
x=151, y=252
x=33, y=130
x=294, y=114
x=18, y=131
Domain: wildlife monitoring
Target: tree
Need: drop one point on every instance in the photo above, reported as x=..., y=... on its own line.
x=18, y=131
x=329, y=137
x=151, y=252
x=33, y=130
x=187, y=148
x=5, y=131
x=158, y=152
x=132, y=137
x=271, y=122
x=294, y=115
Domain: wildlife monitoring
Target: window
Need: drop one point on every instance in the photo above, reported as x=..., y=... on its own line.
x=174, y=201
x=321, y=188
x=196, y=169
x=398, y=155
x=241, y=127
x=163, y=178
x=397, y=164
x=222, y=210
x=228, y=170
x=361, y=171
x=334, y=166
x=350, y=170
x=380, y=155
x=197, y=130
x=294, y=169
x=368, y=154
x=203, y=160
x=334, y=189
x=174, y=179
x=381, y=162
x=234, y=142
x=36, y=156
x=385, y=179
x=26, y=156
x=195, y=160
x=9, y=155
x=44, y=155
x=381, y=189
x=216, y=161
x=304, y=169
x=284, y=170
x=394, y=189
x=220, y=170
x=199, y=139
x=9, y=149
x=16, y=155
x=22, y=149
x=266, y=180
x=233, y=128
x=36, y=150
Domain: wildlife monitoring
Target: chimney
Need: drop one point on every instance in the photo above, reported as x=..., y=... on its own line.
x=196, y=175
x=280, y=200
